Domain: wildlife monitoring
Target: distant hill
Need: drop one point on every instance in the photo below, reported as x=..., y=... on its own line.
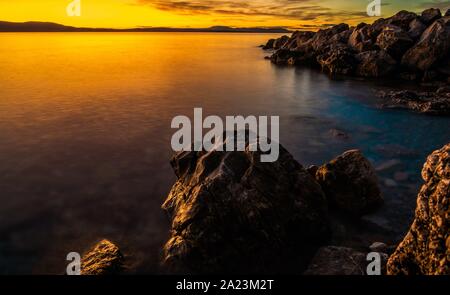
x=54, y=27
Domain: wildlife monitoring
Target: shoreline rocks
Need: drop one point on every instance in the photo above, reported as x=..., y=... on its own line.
x=425, y=250
x=104, y=258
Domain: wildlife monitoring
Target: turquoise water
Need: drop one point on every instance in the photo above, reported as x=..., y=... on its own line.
x=85, y=134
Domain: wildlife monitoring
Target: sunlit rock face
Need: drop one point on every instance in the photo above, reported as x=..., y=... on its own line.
x=104, y=259
x=350, y=183
x=426, y=247
x=232, y=213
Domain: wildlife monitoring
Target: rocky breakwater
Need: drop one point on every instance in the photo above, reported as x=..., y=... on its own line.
x=231, y=213
x=425, y=250
x=406, y=46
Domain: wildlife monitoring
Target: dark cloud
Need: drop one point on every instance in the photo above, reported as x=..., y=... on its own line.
x=288, y=9
x=435, y=4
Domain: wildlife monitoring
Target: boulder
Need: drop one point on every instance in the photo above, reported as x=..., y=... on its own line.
x=402, y=19
x=375, y=64
x=322, y=38
x=280, y=42
x=333, y=260
x=350, y=183
x=447, y=13
x=232, y=213
x=360, y=40
x=337, y=59
x=434, y=44
x=416, y=29
x=394, y=41
x=425, y=250
x=104, y=259
x=269, y=44
x=430, y=15
x=298, y=39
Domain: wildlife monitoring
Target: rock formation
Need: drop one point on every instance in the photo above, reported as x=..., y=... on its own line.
x=350, y=183
x=104, y=259
x=232, y=213
x=425, y=250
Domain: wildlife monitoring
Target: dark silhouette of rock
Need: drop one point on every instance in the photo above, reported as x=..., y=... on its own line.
x=416, y=28
x=338, y=59
x=299, y=39
x=104, y=259
x=269, y=44
x=423, y=102
x=394, y=41
x=322, y=38
x=280, y=42
x=375, y=64
x=350, y=183
x=360, y=40
x=426, y=247
x=433, y=45
x=402, y=19
x=447, y=13
x=232, y=213
x=430, y=15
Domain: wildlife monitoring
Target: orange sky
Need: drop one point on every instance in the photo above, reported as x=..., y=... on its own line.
x=204, y=13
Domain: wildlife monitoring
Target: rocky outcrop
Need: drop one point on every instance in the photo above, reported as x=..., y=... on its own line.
x=375, y=64
x=232, y=213
x=426, y=247
x=434, y=45
x=394, y=41
x=418, y=43
x=104, y=259
x=333, y=260
x=350, y=183
x=432, y=103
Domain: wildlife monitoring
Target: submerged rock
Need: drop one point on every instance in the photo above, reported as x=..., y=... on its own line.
x=232, y=213
x=350, y=183
x=104, y=259
x=332, y=260
x=433, y=103
x=425, y=250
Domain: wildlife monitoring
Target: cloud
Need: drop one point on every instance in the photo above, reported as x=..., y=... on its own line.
x=287, y=9
x=435, y=4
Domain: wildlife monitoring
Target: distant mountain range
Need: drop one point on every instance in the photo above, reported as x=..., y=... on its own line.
x=54, y=27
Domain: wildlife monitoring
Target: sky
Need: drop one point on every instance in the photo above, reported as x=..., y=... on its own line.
x=294, y=14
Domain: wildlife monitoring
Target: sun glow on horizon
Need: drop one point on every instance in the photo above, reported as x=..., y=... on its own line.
x=203, y=13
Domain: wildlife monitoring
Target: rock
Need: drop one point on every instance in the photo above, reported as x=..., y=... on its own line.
x=394, y=41
x=341, y=37
x=280, y=42
x=390, y=182
x=332, y=260
x=401, y=176
x=232, y=213
x=430, y=15
x=312, y=170
x=434, y=44
x=322, y=38
x=337, y=60
x=299, y=39
x=443, y=90
x=269, y=44
x=350, y=183
x=375, y=64
x=416, y=28
x=422, y=102
x=425, y=249
x=378, y=247
x=447, y=13
x=402, y=19
x=360, y=40
x=339, y=134
x=282, y=56
x=104, y=259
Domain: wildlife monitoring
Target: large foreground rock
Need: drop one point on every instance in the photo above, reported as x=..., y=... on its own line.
x=104, y=259
x=232, y=213
x=426, y=247
x=350, y=183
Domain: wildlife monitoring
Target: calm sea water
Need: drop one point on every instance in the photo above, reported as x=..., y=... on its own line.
x=85, y=134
